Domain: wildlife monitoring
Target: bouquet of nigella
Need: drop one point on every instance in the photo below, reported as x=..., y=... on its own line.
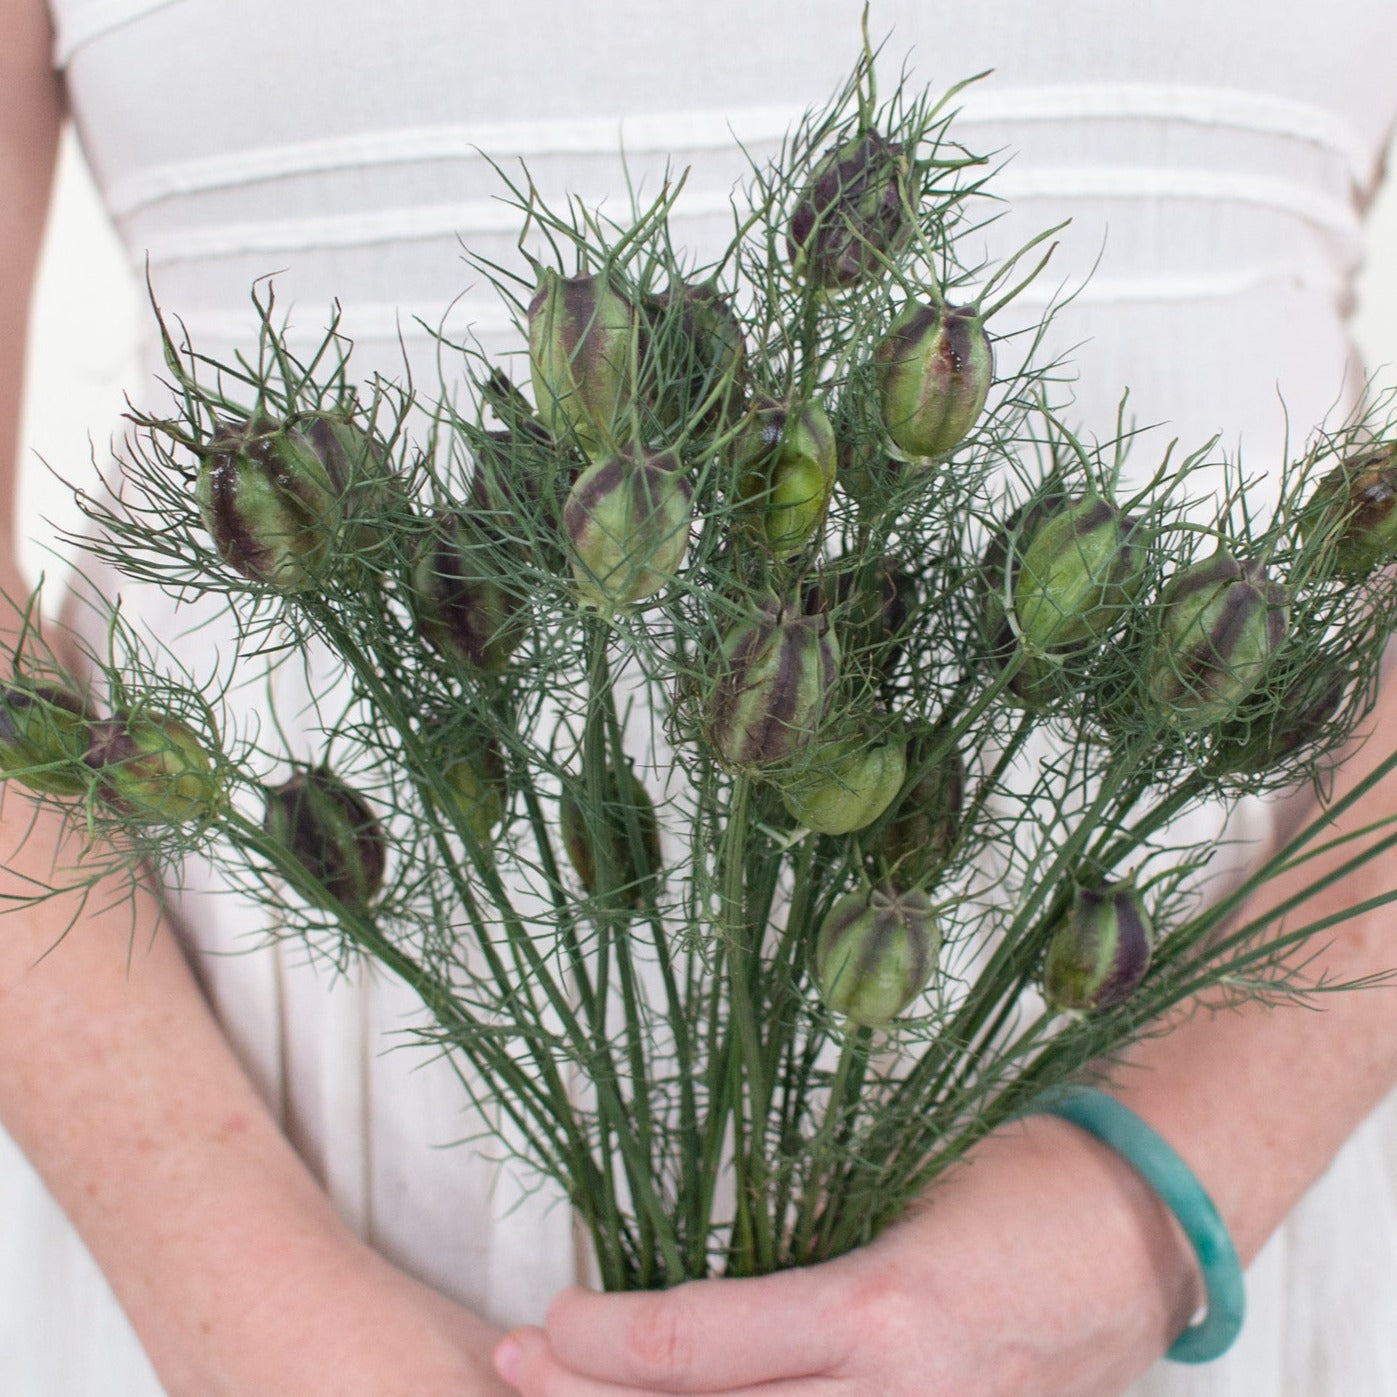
x=770, y=715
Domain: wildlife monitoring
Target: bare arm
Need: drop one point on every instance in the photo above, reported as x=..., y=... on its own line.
x=116, y=1081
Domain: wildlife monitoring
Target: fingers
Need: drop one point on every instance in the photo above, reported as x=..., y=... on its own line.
x=705, y=1337
x=525, y=1361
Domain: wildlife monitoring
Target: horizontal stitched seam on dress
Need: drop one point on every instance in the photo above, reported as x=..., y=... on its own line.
x=376, y=321
x=679, y=133
x=78, y=25
x=484, y=216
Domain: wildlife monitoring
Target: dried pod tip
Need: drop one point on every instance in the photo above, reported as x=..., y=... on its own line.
x=330, y=831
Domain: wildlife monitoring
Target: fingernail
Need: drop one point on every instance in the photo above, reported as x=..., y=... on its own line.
x=508, y=1356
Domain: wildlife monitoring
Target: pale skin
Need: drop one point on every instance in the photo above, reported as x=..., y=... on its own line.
x=241, y=1281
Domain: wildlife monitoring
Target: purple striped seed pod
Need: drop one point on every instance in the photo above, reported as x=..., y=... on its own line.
x=778, y=674
x=153, y=767
x=875, y=953
x=582, y=344
x=915, y=843
x=460, y=602
x=627, y=519
x=43, y=737
x=590, y=836
x=854, y=214
x=1080, y=567
x=697, y=355
x=265, y=495
x=1221, y=622
x=786, y=462
x=1100, y=951
x=329, y=829
x=935, y=367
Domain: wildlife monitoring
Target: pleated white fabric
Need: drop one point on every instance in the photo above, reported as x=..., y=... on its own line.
x=1214, y=161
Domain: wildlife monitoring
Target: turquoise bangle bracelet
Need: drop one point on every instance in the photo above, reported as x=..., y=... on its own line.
x=1150, y=1155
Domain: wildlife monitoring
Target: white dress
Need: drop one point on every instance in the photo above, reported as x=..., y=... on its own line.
x=1215, y=157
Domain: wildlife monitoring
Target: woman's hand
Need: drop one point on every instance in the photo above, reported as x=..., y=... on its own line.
x=1045, y=1266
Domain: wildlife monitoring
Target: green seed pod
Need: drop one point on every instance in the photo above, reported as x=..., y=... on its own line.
x=697, y=352
x=777, y=676
x=582, y=353
x=875, y=953
x=153, y=767
x=461, y=603
x=329, y=829
x=1100, y=951
x=1221, y=622
x=854, y=214
x=914, y=844
x=43, y=737
x=1080, y=568
x=1355, y=506
x=627, y=519
x=627, y=803
x=849, y=786
x=786, y=463
x=371, y=493
x=477, y=783
x=934, y=368
x=267, y=499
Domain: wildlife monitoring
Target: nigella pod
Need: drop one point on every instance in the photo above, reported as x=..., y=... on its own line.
x=627, y=519
x=1253, y=743
x=1100, y=951
x=697, y=354
x=1221, y=622
x=913, y=844
x=43, y=736
x=1080, y=567
x=329, y=829
x=1355, y=507
x=934, y=370
x=875, y=952
x=854, y=214
x=785, y=461
x=155, y=767
x=582, y=348
x=266, y=497
x=462, y=603
x=873, y=604
x=476, y=783
x=849, y=785
x=624, y=833
x=777, y=674
x=356, y=461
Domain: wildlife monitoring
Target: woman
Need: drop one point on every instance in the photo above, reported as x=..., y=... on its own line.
x=1221, y=176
